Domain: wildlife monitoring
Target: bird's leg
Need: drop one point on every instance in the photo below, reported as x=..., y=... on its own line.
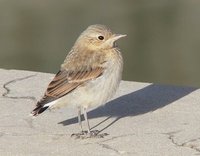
x=86, y=119
x=88, y=133
x=93, y=133
x=79, y=119
x=82, y=133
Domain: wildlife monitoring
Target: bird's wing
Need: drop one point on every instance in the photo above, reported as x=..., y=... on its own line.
x=64, y=82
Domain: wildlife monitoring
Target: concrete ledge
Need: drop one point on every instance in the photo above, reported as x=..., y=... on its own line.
x=143, y=119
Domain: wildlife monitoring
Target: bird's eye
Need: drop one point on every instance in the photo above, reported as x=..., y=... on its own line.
x=100, y=37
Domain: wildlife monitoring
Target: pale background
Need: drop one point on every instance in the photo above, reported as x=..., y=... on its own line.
x=162, y=46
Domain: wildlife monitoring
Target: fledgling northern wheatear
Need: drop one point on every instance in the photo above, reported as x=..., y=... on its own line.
x=89, y=76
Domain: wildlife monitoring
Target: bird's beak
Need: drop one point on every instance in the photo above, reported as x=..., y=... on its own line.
x=111, y=42
x=115, y=37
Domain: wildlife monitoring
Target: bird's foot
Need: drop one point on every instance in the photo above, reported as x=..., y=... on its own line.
x=91, y=134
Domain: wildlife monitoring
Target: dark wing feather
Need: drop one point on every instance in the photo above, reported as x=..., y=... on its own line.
x=64, y=82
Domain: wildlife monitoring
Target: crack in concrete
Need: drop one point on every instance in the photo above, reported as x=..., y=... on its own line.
x=6, y=94
x=192, y=146
x=185, y=144
x=108, y=147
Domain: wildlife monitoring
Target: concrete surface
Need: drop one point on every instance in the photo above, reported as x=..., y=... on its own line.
x=143, y=119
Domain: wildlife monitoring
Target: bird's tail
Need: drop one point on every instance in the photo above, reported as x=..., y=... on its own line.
x=38, y=110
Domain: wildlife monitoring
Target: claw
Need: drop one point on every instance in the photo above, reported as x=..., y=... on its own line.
x=92, y=134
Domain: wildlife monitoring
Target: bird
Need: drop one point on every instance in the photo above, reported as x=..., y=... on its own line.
x=89, y=75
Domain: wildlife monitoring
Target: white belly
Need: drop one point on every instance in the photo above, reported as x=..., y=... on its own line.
x=95, y=92
x=99, y=91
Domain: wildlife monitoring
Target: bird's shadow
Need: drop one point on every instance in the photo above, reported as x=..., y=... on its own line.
x=142, y=101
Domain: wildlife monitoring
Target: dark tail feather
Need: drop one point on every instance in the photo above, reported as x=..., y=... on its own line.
x=38, y=110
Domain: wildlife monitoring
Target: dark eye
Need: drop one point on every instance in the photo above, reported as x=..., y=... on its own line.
x=100, y=37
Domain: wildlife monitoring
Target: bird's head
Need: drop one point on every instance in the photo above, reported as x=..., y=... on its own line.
x=97, y=37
